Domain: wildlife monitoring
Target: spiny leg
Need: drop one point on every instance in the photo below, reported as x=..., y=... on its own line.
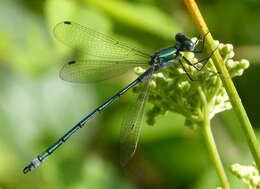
x=200, y=61
x=188, y=74
x=198, y=39
x=203, y=43
x=198, y=69
x=205, y=59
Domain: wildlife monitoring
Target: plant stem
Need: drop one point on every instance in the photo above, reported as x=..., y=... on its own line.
x=214, y=154
x=211, y=143
x=227, y=82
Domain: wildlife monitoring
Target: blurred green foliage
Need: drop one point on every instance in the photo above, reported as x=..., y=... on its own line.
x=36, y=107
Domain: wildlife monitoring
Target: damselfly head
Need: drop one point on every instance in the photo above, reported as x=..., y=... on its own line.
x=185, y=42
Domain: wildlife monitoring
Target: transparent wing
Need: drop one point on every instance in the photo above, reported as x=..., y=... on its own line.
x=131, y=125
x=94, y=43
x=87, y=71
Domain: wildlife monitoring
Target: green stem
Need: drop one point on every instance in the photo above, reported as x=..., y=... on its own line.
x=211, y=143
x=227, y=82
x=214, y=154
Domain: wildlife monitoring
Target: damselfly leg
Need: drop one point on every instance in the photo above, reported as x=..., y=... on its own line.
x=206, y=60
x=203, y=43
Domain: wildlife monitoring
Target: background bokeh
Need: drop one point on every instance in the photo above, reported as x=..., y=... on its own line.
x=36, y=107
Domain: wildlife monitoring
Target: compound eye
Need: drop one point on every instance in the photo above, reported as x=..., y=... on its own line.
x=189, y=45
x=180, y=37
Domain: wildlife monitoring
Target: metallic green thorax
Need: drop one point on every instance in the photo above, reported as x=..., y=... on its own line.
x=167, y=57
x=168, y=54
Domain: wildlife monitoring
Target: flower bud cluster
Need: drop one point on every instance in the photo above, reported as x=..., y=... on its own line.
x=248, y=174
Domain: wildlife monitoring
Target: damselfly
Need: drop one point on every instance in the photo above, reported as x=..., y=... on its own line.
x=115, y=58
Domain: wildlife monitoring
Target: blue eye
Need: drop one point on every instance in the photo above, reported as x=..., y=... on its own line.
x=189, y=45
